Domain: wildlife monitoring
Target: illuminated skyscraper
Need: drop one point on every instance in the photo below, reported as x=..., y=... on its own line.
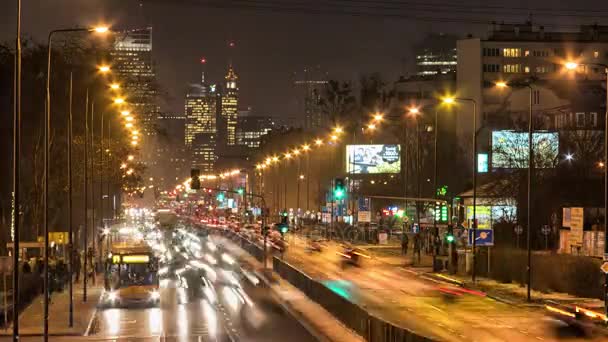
x=201, y=126
x=132, y=65
x=229, y=112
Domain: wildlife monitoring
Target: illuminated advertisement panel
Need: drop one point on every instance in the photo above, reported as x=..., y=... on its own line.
x=510, y=149
x=373, y=159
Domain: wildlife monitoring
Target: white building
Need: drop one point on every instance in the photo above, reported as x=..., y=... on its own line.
x=515, y=53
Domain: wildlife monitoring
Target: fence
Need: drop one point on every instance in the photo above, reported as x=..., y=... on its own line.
x=371, y=328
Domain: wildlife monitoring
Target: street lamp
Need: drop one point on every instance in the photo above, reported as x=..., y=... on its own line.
x=47, y=129
x=378, y=117
x=119, y=100
x=114, y=86
x=130, y=158
x=104, y=69
x=125, y=113
x=318, y=142
x=451, y=100
x=502, y=84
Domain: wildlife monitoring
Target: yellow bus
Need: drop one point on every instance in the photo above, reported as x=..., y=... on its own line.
x=131, y=276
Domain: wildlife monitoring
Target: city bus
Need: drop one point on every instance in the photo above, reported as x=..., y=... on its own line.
x=131, y=276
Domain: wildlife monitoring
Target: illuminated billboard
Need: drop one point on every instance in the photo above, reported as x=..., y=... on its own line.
x=510, y=149
x=373, y=159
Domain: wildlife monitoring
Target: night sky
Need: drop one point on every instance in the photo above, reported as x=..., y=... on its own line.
x=344, y=38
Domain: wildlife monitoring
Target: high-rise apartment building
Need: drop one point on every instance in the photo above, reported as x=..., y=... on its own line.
x=201, y=131
x=132, y=65
x=520, y=53
x=229, y=109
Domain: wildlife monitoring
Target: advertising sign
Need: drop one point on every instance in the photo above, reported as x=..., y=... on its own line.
x=510, y=149
x=373, y=159
x=576, y=226
x=364, y=216
x=483, y=237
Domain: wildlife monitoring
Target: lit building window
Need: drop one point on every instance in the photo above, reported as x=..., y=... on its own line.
x=511, y=68
x=511, y=52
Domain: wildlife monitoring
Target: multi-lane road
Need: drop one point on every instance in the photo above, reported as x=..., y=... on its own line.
x=430, y=307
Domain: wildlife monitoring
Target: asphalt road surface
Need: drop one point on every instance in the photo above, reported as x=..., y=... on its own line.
x=432, y=308
x=237, y=309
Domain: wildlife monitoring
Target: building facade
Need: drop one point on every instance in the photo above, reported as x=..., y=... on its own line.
x=436, y=55
x=522, y=54
x=229, y=108
x=201, y=126
x=132, y=64
x=251, y=129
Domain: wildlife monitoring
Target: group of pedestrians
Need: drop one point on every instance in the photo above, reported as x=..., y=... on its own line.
x=416, y=244
x=58, y=269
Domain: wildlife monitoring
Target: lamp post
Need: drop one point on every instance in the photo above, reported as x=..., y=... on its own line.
x=529, y=195
x=450, y=100
x=16, y=171
x=572, y=66
x=46, y=164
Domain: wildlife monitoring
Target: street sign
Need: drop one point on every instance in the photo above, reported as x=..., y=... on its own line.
x=483, y=237
x=518, y=229
x=364, y=216
x=545, y=230
x=604, y=267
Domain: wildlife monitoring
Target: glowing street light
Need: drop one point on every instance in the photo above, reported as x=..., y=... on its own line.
x=123, y=165
x=413, y=111
x=301, y=176
x=448, y=100
x=128, y=125
x=100, y=29
x=275, y=159
x=569, y=157
x=114, y=86
x=502, y=84
x=119, y=100
x=318, y=142
x=334, y=137
x=134, y=143
x=287, y=155
x=125, y=113
x=305, y=147
x=129, y=118
x=378, y=117
x=371, y=127
x=296, y=152
x=130, y=157
x=104, y=69
x=571, y=65
x=338, y=130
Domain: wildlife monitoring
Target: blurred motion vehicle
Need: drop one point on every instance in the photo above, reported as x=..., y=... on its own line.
x=131, y=276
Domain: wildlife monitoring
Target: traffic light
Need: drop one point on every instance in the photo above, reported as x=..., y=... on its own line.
x=220, y=197
x=449, y=237
x=240, y=191
x=339, y=189
x=195, y=182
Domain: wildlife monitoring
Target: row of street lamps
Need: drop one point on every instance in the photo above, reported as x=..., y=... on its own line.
x=16, y=171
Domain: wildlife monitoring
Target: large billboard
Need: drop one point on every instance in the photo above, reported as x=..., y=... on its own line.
x=510, y=149
x=373, y=159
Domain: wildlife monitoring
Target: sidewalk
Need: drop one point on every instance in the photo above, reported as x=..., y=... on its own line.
x=320, y=323
x=31, y=319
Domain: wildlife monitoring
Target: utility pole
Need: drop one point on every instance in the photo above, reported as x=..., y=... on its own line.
x=86, y=192
x=70, y=229
x=16, y=172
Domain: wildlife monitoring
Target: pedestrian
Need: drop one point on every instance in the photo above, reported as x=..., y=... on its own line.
x=26, y=267
x=404, y=243
x=76, y=266
x=417, y=246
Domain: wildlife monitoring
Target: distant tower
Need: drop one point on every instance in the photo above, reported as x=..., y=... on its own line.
x=310, y=86
x=229, y=112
